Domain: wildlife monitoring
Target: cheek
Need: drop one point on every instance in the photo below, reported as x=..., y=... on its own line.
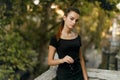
x=69, y=21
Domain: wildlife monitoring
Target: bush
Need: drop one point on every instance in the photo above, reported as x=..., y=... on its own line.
x=16, y=55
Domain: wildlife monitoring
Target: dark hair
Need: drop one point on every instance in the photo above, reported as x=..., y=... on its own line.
x=62, y=23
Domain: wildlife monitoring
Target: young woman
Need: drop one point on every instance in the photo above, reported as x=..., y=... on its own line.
x=67, y=44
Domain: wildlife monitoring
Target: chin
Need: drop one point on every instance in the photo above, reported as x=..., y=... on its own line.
x=71, y=27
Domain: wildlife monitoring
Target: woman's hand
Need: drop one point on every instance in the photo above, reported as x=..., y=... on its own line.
x=68, y=59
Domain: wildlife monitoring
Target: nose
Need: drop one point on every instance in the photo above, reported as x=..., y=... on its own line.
x=74, y=21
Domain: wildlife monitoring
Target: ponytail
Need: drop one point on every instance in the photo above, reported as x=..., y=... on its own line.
x=60, y=30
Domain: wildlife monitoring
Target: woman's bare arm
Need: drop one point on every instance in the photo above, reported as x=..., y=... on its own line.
x=51, y=54
x=83, y=66
x=53, y=62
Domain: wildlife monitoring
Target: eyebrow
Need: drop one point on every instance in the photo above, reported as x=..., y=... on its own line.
x=74, y=18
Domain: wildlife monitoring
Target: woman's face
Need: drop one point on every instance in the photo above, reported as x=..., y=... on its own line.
x=71, y=19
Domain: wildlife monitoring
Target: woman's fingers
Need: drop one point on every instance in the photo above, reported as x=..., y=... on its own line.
x=68, y=59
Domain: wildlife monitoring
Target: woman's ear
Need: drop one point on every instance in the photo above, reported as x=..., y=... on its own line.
x=64, y=18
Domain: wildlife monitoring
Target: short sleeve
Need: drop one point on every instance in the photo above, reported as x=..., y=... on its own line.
x=53, y=41
x=80, y=41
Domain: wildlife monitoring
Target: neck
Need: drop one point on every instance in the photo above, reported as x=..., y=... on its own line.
x=66, y=30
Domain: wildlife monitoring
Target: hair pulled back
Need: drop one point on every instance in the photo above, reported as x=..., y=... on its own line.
x=62, y=22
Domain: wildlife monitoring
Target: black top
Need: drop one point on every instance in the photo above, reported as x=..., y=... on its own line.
x=69, y=47
x=66, y=46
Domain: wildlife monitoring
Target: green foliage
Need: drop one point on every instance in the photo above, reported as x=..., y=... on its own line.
x=15, y=53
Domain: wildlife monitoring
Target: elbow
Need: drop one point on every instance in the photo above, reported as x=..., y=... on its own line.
x=49, y=63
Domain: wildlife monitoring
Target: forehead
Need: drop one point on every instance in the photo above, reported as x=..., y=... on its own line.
x=73, y=14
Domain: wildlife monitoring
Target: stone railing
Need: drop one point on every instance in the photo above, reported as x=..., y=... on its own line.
x=93, y=74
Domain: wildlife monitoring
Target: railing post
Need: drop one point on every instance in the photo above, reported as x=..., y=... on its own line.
x=109, y=60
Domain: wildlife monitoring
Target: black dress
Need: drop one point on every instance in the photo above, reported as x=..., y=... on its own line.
x=70, y=47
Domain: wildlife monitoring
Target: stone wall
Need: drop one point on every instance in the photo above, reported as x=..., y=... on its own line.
x=93, y=74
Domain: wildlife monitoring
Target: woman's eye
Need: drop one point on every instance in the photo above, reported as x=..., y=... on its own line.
x=76, y=20
x=72, y=18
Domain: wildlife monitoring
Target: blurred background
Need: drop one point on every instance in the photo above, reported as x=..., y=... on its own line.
x=27, y=25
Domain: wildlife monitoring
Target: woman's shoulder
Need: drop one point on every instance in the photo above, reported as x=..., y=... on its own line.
x=53, y=41
x=53, y=37
x=77, y=34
